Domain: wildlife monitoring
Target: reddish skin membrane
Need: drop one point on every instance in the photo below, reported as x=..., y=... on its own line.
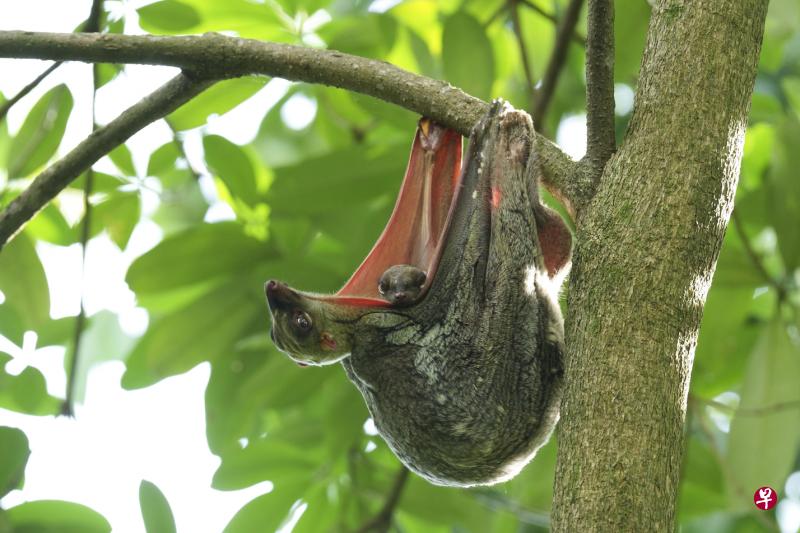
x=314, y=328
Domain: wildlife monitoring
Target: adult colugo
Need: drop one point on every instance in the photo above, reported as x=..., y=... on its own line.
x=464, y=384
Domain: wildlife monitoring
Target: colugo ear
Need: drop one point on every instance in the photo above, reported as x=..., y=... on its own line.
x=327, y=341
x=555, y=240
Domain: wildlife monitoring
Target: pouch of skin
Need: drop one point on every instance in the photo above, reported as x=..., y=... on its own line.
x=464, y=385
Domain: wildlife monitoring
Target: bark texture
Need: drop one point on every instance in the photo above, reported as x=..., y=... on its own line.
x=647, y=245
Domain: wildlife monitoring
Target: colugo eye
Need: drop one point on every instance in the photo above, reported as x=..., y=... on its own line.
x=301, y=321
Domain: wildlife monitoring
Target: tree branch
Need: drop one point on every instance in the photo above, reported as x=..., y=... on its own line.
x=53, y=180
x=383, y=520
x=219, y=56
x=566, y=29
x=600, y=142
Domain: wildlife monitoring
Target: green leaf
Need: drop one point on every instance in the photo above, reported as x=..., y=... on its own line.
x=205, y=329
x=118, y=215
x=291, y=234
x=784, y=191
x=15, y=448
x=320, y=513
x=23, y=282
x=763, y=445
x=201, y=253
x=230, y=414
x=52, y=516
x=366, y=35
x=156, y=512
x=11, y=325
x=54, y=332
x=533, y=487
x=268, y=511
x=758, y=147
x=336, y=182
x=727, y=522
x=217, y=100
x=279, y=384
x=101, y=182
x=40, y=134
x=441, y=505
x=245, y=18
x=266, y=459
x=791, y=88
x=702, y=482
x=309, y=6
x=50, y=225
x=102, y=340
x=26, y=392
x=426, y=63
x=168, y=16
x=163, y=160
x=232, y=165
x=467, y=55
x=123, y=159
x=765, y=107
x=106, y=72
x=631, y=20
x=725, y=340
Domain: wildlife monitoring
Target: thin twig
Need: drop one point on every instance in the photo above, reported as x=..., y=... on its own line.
x=523, y=53
x=495, y=15
x=496, y=501
x=92, y=25
x=575, y=36
x=755, y=258
x=382, y=521
x=27, y=89
x=601, y=141
x=54, y=179
x=557, y=61
x=750, y=411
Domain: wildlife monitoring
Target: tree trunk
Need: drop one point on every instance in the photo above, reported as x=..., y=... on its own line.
x=647, y=246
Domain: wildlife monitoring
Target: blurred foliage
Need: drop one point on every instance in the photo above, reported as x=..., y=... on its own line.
x=307, y=202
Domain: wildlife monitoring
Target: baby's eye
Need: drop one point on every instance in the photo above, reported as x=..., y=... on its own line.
x=383, y=286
